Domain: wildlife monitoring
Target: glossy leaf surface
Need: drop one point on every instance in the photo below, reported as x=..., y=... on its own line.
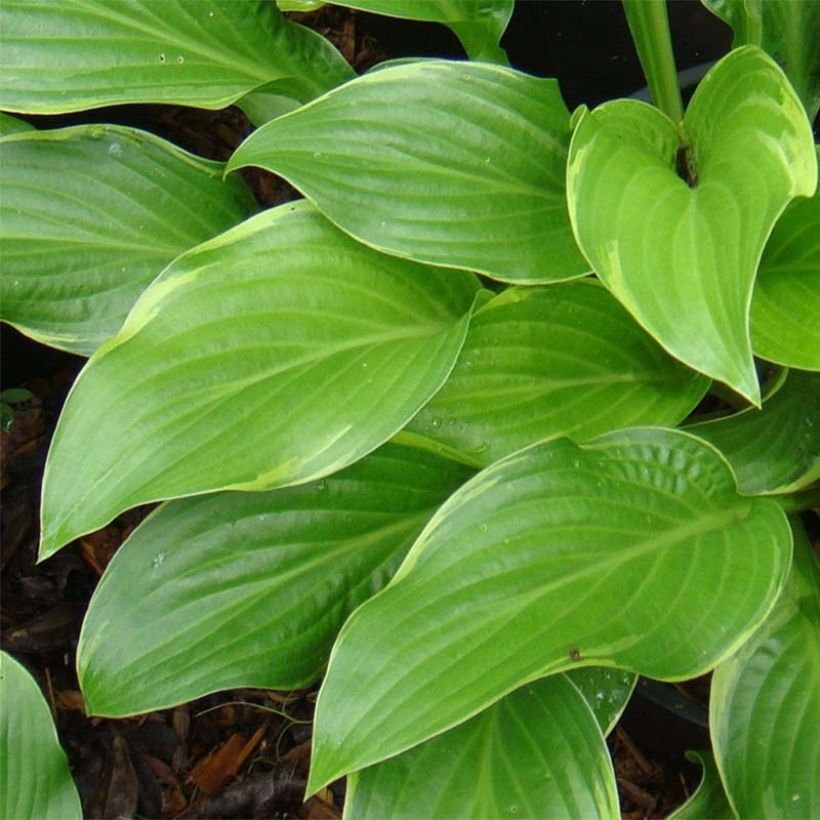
x=709, y=800
x=607, y=691
x=169, y=621
x=765, y=700
x=683, y=259
x=454, y=164
x=255, y=361
x=538, y=752
x=90, y=215
x=71, y=55
x=786, y=303
x=776, y=448
x=478, y=24
x=786, y=30
x=545, y=362
x=548, y=560
x=34, y=776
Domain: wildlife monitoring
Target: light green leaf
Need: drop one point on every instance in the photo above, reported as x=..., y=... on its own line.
x=299, y=5
x=775, y=449
x=277, y=353
x=683, y=259
x=169, y=621
x=454, y=164
x=635, y=551
x=607, y=691
x=72, y=55
x=786, y=303
x=478, y=24
x=545, y=362
x=765, y=701
x=709, y=800
x=787, y=30
x=12, y=125
x=538, y=752
x=89, y=216
x=34, y=778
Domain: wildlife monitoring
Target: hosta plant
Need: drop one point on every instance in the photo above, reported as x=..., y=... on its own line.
x=509, y=409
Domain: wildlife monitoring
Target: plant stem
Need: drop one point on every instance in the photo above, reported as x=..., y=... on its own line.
x=649, y=25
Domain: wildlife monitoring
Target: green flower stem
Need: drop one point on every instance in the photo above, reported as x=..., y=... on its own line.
x=649, y=24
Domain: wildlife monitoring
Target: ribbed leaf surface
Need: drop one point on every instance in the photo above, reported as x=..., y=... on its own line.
x=545, y=362
x=89, y=216
x=776, y=448
x=683, y=259
x=786, y=303
x=449, y=163
x=34, y=778
x=250, y=589
x=536, y=753
x=765, y=701
x=277, y=353
x=635, y=550
x=70, y=55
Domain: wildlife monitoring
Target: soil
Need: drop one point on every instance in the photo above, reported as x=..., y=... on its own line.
x=244, y=753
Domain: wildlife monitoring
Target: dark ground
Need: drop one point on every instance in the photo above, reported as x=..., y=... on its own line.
x=245, y=753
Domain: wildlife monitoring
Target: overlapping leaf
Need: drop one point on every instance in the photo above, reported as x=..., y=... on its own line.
x=607, y=691
x=89, y=216
x=250, y=589
x=786, y=303
x=479, y=24
x=13, y=125
x=765, y=700
x=682, y=254
x=34, y=776
x=635, y=550
x=544, y=362
x=71, y=55
x=787, y=31
x=454, y=164
x=709, y=800
x=776, y=448
x=277, y=353
x=536, y=753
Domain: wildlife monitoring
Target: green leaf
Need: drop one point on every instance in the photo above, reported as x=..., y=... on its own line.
x=72, y=55
x=89, y=216
x=567, y=360
x=169, y=621
x=775, y=449
x=536, y=753
x=277, y=353
x=478, y=24
x=34, y=776
x=299, y=5
x=786, y=303
x=607, y=691
x=454, y=164
x=787, y=31
x=709, y=800
x=683, y=259
x=545, y=561
x=765, y=701
x=12, y=125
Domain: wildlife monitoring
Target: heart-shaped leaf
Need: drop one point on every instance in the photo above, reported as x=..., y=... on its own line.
x=71, y=55
x=34, y=776
x=786, y=303
x=775, y=449
x=545, y=362
x=709, y=800
x=634, y=550
x=85, y=227
x=538, y=752
x=278, y=352
x=787, y=31
x=765, y=701
x=454, y=164
x=682, y=254
x=478, y=24
x=169, y=620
